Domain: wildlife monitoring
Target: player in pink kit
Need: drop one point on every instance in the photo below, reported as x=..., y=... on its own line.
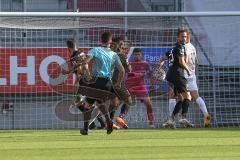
x=136, y=85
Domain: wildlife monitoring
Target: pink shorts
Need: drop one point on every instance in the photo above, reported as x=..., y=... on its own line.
x=139, y=91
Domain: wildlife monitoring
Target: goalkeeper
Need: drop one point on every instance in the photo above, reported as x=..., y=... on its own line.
x=136, y=85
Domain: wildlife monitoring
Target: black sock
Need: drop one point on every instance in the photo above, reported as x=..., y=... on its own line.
x=124, y=110
x=92, y=125
x=85, y=125
x=185, y=105
x=101, y=121
x=87, y=117
x=112, y=113
x=104, y=111
x=107, y=117
x=177, y=108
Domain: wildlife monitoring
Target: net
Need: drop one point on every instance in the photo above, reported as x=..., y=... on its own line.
x=31, y=48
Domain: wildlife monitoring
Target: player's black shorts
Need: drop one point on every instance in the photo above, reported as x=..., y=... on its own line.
x=99, y=89
x=178, y=82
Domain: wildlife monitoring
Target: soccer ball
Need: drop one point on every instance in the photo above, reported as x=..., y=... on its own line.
x=159, y=74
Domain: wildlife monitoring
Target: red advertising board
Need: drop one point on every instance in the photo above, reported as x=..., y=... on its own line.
x=28, y=70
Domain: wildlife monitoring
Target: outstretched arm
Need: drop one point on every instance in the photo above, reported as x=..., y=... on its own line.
x=76, y=63
x=162, y=59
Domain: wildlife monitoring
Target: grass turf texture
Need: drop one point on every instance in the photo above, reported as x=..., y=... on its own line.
x=179, y=144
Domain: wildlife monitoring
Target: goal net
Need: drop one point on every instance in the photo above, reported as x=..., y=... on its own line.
x=32, y=47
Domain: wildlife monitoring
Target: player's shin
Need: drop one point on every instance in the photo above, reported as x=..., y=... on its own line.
x=202, y=105
x=124, y=110
x=105, y=112
x=104, y=109
x=101, y=122
x=150, y=114
x=177, y=108
x=87, y=117
x=112, y=111
x=185, y=105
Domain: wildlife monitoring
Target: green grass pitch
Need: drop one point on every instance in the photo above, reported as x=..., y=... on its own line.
x=164, y=144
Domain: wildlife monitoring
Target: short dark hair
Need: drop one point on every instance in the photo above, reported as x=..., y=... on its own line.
x=106, y=36
x=183, y=29
x=137, y=50
x=71, y=43
x=117, y=39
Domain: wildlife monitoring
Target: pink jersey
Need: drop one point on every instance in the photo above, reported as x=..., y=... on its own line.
x=135, y=81
x=139, y=69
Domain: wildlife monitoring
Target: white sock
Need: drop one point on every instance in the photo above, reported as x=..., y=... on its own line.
x=202, y=105
x=171, y=106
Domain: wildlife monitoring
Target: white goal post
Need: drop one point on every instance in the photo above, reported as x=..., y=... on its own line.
x=119, y=14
